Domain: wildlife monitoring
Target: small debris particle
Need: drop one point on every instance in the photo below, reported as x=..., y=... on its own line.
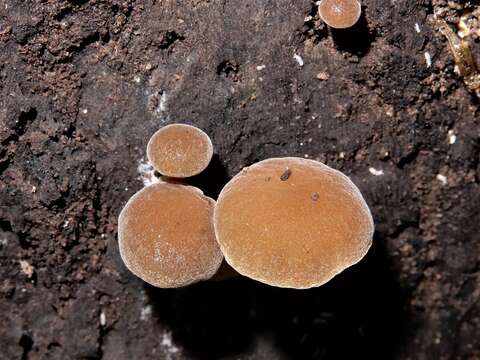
x=261, y=67
x=137, y=79
x=168, y=343
x=267, y=179
x=323, y=76
x=103, y=319
x=376, y=172
x=146, y=173
x=417, y=28
x=299, y=60
x=145, y=312
x=442, y=179
x=463, y=29
x=428, y=59
x=286, y=175
x=162, y=104
x=341, y=155
x=463, y=33
x=452, y=138
x=315, y=196
x=85, y=111
x=26, y=268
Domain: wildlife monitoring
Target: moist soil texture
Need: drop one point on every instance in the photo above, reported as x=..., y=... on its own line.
x=85, y=83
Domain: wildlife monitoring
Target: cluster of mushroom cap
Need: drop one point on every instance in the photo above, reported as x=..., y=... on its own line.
x=287, y=222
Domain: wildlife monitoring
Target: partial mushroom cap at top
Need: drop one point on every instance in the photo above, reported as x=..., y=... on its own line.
x=179, y=151
x=340, y=14
x=292, y=222
x=166, y=236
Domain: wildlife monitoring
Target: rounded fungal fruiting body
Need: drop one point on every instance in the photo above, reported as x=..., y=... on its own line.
x=166, y=236
x=179, y=151
x=291, y=222
x=340, y=14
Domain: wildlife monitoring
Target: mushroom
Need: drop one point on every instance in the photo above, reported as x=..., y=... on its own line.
x=292, y=222
x=179, y=151
x=340, y=14
x=166, y=235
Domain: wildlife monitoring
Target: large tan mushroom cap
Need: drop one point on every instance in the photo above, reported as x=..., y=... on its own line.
x=166, y=235
x=291, y=222
x=340, y=14
x=179, y=150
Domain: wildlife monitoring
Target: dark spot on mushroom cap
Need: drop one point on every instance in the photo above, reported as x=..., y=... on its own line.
x=286, y=175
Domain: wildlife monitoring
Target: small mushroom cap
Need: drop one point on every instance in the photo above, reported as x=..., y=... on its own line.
x=179, y=150
x=292, y=222
x=340, y=14
x=166, y=236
